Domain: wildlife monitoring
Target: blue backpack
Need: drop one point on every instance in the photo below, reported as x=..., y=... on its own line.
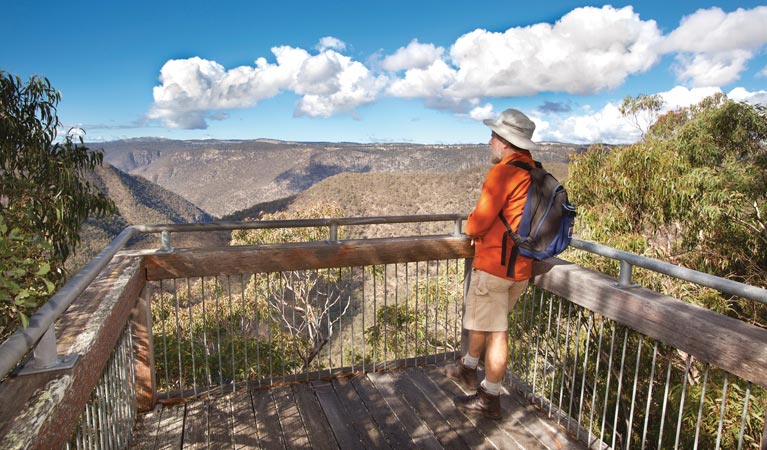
x=546, y=227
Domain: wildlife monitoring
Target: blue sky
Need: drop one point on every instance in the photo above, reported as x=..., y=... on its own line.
x=395, y=71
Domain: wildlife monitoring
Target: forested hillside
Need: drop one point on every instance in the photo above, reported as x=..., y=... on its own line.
x=222, y=177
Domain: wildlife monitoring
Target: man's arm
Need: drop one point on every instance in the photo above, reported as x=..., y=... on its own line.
x=491, y=201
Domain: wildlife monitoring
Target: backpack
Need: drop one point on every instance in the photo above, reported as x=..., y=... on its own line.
x=546, y=227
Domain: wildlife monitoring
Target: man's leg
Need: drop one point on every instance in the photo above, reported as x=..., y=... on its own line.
x=465, y=370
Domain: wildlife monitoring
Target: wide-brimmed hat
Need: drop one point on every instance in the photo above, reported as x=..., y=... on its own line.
x=514, y=126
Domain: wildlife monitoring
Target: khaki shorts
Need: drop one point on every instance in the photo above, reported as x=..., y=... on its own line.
x=489, y=301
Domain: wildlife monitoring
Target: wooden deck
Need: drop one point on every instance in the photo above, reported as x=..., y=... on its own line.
x=397, y=409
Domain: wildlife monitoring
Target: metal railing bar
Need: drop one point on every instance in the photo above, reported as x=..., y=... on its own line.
x=575, y=366
x=722, y=410
x=296, y=223
x=178, y=336
x=620, y=388
x=594, y=405
x=745, y=415
x=665, y=403
x=649, y=392
x=583, y=374
x=688, y=363
x=564, y=362
x=700, y=407
x=634, y=392
x=721, y=284
x=607, y=388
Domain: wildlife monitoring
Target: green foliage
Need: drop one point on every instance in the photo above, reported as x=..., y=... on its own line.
x=693, y=193
x=25, y=277
x=41, y=180
x=44, y=198
x=641, y=111
x=419, y=319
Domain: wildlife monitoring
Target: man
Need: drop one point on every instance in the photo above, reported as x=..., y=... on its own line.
x=497, y=280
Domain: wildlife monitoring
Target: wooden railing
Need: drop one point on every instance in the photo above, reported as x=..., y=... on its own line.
x=551, y=356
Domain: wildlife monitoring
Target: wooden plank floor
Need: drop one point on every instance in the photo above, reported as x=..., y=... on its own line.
x=396, y=409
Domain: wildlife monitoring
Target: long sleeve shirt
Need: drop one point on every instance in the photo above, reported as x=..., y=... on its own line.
x=505, y=189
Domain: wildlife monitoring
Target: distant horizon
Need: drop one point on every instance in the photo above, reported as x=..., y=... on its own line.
x=157, y=138
x=424, y=72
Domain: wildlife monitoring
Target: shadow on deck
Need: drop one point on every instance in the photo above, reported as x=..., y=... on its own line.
x=398, y=409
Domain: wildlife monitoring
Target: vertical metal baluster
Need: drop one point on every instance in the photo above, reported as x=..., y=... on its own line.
x=407, y=307
x=634, y=392
x=722, y=410
x=531, y=300
x=396, y=311
x=583, y=374
x=556, y=355
x=178, y=338
x=594, y=407
x=427, y=294
x=132, y=374
x=649, y=392
x=436, y=307
x=352, y=291
x=514, y=339
x=575, y=366
x=458, y=297
x=282, y=277
x=164, y=333
x=292, y=288
x=375, y=318
x=257, y=331
x=620, y=388
x=191, y=335
x=386, y=310
x=447, y=308
x=681, y=401
x=269, y=326
x=700, y=407
x=745, y=415
x=205, y=335
x=537, y=337
x=231, y=330
x=607, y=388
x=218, y=333
x=340, y=289
x=547, y=342
x=564, y=362
x=364, y=343
x=330, y=329
x=417, y=290
x=91, y=435
x=243, y=319
x=102, y=425
x=665, y=401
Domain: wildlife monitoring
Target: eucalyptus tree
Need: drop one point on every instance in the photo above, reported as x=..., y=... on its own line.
x=44, y=194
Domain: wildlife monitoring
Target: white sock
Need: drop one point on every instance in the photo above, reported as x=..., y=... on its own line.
x=490, y=387
x=470, y=361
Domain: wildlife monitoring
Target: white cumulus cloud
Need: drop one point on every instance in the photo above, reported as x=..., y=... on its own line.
x=588, y=50
x=331, y=43
x=712, y=47
x=607, y=125
x=415, y=56
x=329, y=81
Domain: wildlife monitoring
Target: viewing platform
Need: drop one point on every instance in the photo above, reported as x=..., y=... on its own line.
x=333, y=342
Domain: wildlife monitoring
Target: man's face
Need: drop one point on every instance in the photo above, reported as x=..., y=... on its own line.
x=496, y=148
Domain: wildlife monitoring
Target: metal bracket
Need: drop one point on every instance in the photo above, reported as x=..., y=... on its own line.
x=165, y=242
x=44, y=357
x=624, y=279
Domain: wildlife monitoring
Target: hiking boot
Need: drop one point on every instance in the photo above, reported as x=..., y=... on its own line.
x=464, y=375
x=481, y=402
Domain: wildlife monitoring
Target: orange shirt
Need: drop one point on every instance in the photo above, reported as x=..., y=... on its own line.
x=505, y=188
